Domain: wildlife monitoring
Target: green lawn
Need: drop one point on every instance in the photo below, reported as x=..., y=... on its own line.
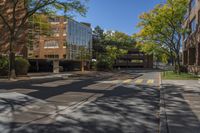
x=170, y=75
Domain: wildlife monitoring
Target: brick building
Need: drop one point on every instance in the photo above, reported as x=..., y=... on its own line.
x=191, y=40
x=62, y=39
x=47, y=37
x=6, y=10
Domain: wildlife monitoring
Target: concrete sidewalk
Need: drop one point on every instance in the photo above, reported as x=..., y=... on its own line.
x=180, y=106
x=63, y=75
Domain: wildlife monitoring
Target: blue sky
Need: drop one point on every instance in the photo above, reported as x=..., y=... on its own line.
x=121, y=15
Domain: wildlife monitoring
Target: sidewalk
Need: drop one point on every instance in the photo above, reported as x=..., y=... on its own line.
x=64, y=75
x=180, y=106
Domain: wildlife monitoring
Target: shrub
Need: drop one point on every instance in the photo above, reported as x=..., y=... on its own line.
x=183, y=69
x=21, y=66
x=105, y=63
x=93, y=65
x=4, y=66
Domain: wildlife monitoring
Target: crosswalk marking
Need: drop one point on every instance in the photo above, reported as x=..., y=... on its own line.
x=138, y=81
x=151, y=81
x=127, y=81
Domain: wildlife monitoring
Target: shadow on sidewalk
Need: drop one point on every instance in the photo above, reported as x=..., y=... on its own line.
x=180, y=113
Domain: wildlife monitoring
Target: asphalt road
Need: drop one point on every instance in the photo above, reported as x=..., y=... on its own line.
x=117, y=103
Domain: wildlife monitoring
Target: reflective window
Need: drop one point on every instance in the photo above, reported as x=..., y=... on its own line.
x=79, y=36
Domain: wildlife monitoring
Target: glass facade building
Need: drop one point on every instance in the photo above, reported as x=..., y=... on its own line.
x=79, y=40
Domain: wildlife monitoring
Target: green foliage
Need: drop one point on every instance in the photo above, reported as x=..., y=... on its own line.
x=83, y=54
x=110, y=45
x=93, y=65
x=160, y=54
x=162, y=27
x=67, y=7
x=4, y=66
x=21, y=66
x=170, y=75
x=105, y=62
x=113, y=52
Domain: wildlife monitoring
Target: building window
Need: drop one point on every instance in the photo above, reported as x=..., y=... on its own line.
x=193, y=25
x=51, y=44
x=192, y=4
x=51, y=56
x=54, y=19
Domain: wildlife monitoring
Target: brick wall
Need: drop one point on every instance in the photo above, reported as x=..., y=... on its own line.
x=191, y=44
x=6, y=10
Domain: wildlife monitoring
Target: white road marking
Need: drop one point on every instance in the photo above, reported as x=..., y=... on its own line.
x=52, y=76
x=150, y=81
x=111, y=82
x=55, y=83
x=138, y=81
x=127, y=81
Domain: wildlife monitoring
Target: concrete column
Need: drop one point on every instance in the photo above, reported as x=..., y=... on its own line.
x=55, y=66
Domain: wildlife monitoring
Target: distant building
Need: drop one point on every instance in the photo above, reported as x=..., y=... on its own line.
x=47, y=37
x=79, y=40
x=63, y=39
x=134, y=59
x=191, y=40
x=19, y=47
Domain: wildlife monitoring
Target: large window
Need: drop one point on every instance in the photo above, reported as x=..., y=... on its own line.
x=193, y=25
x=52, y=56
x=54, y=19
x=51, y=44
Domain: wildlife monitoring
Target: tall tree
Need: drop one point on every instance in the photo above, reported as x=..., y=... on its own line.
x=14, y=20
x=112, y=45
x=98, y=37
x=163, y=26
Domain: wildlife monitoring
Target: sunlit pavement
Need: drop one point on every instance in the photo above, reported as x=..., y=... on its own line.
x=114, y=104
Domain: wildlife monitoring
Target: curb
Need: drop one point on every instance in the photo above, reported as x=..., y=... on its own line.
x=52, y=76
x=163, y=124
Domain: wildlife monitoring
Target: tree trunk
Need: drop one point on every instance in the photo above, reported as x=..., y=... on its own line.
x=12, y=73
x=82, y=66
x=178, y=65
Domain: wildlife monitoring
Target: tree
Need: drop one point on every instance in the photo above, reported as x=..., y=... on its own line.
x=111, y=46
x=15, y=24
x=98, y=38
x=159, y=53
x=83, y=55
x=119, y=39
x=163, y=26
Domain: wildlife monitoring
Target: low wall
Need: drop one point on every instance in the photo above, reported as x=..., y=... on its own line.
x=45, y=65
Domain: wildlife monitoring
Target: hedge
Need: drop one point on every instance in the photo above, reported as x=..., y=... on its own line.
x=21, y=66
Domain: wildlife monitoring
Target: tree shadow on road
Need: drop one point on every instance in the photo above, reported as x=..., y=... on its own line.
x=120, y=110
x=179, y=107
